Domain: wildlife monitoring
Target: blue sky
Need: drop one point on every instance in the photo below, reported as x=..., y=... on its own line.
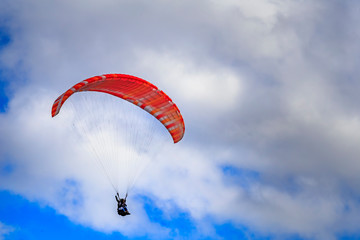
x=3, y=97
x=4, y=41
x=268, y=91
x=30, y=220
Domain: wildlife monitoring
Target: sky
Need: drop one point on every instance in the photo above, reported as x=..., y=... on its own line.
x=268, y=90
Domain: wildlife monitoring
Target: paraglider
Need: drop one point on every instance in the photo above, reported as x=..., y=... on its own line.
x=119, y=144
x=122, y=207
x=135, y=90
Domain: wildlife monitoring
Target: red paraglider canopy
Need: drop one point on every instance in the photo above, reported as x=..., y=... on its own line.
x=135, y=90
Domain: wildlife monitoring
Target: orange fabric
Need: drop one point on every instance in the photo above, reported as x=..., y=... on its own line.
x=135, y=90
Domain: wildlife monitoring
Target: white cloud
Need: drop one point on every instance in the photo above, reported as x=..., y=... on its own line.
x=5, y=230
x=262, y=10
x=287, y=111
x=208, y=87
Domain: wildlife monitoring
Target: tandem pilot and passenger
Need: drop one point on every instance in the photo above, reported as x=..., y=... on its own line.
x=122, y=207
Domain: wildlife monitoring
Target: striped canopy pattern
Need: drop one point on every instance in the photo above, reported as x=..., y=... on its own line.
x=135, y=90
